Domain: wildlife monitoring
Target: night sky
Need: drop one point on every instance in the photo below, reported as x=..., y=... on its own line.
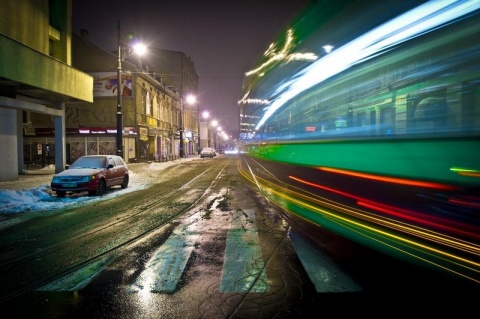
x=222, y=37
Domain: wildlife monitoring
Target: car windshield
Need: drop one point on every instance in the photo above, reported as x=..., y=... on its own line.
x=89, y=162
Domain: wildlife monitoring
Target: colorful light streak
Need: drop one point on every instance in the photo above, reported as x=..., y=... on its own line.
x=466, y=171
x=387, y=179
x=427, y=220
x=418, y=21
x=406, y=229
x=466, y=202
x=376, y=228
x=282, y=54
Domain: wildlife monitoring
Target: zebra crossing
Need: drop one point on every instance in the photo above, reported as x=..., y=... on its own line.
x=243, y=268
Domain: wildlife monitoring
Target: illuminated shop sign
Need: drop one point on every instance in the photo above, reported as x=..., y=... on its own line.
x=48, y=131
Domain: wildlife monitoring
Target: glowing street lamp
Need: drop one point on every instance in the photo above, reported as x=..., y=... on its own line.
x=203, y=128
x=189, y=99
x=214, y=124
x=139, y=49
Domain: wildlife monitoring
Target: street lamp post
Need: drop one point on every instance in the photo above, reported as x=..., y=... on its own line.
x=119, y=97
x=214, y=124
x=140, y=49
x=203, y=127
x=182, y=152
x=198, y=129
x=190, y=99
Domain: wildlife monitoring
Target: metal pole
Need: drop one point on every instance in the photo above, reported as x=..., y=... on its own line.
x=198, y=126
x=119, y=97
x=208, y=134
x=182, y=153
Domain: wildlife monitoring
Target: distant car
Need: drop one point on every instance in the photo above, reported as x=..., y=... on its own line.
x=232, y=151
x=93, y=173
x=221, y=151
x=207, y=152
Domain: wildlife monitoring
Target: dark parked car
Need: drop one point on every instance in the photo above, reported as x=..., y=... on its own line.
x=93, y=173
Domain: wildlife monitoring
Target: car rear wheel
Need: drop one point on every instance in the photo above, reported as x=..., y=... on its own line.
x=125, y=181
x=61, y=193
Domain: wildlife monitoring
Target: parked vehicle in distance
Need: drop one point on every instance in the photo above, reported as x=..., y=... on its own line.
x=207, y=152
x=92, y=173
x=221, y=151
x=232, y=151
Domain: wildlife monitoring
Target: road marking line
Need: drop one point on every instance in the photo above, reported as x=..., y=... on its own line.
x=78, y=279
x=164, y=270
x=243, y=269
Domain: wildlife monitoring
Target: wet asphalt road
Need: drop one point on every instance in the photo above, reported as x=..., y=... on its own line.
x=242, y=262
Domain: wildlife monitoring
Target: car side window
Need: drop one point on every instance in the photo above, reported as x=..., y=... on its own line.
x=119, y=161
x=111, y=161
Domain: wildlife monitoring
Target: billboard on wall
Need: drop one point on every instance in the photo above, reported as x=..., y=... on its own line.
x=105, y=84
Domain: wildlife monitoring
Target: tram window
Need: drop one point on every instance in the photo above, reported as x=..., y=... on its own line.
x=431, y=113
x=361, y=119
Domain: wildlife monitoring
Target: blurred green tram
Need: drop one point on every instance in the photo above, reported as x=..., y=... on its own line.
x=398, y=104
x=411, y=110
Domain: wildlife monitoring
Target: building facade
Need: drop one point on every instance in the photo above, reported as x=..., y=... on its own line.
x=36, y=78
x=178, y=71
x=151, y=110
x=52, y=113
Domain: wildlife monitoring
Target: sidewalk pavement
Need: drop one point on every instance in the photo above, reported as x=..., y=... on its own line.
x=34, y=177
x=37, y=176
